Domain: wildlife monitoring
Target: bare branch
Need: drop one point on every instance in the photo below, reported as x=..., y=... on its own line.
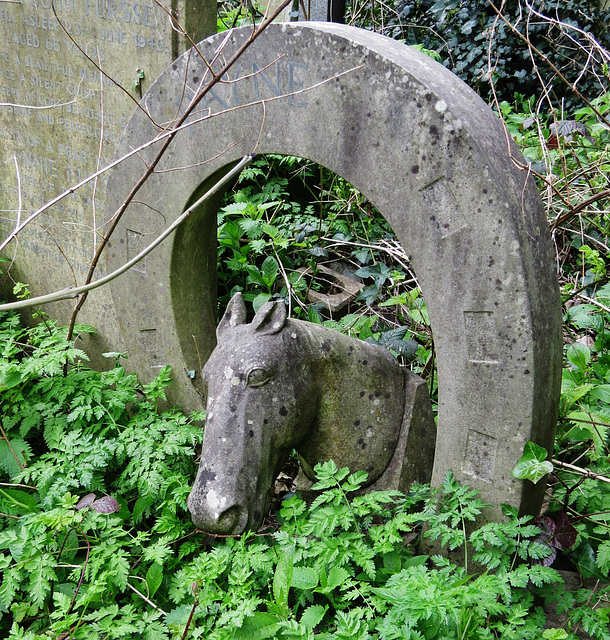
x=66, y=294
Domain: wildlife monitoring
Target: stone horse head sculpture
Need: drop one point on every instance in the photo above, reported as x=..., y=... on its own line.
x=278, y=384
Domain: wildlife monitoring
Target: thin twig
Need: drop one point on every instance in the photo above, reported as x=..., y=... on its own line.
x=98, y=67
x=66, y=294
x=543, y=57
x=579, y=470
x=10, y=446
x=566, y=215
x=147, y=600
x=162, y=136
x=151, y=167
x=582, y=296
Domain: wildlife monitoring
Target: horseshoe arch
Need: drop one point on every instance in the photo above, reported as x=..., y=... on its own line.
x=435, y=161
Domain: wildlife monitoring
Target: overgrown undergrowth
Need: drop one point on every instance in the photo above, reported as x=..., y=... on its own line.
x=96, y=541
x=131, y=566
x=95, y=537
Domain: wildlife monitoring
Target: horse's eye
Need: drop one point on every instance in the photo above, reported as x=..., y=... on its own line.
x=257, y=377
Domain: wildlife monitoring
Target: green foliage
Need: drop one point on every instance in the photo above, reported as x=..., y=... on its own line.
x=533, y=465
x=95, y=538
x=520, y=51
x=68, y=431
x=289, y=214
x=568, y=151
x=130, y=565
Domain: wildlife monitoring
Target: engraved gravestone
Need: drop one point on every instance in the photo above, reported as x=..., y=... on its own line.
x=61, y=119
x=435, y=161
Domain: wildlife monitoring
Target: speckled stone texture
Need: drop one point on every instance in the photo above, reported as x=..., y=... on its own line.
x=431, y=156
x=278, y=384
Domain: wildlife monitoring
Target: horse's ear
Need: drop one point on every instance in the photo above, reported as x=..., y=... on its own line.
x=234, y=315
x=270, y=318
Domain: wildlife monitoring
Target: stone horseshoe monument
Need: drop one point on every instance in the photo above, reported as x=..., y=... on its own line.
x=434, y=160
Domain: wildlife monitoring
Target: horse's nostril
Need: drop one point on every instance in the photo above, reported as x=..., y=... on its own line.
x=228, y=520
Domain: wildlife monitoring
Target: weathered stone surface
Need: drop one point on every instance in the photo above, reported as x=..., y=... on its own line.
x=278, y=384
x=434, y=160
x=61, y=119
x=348, y=287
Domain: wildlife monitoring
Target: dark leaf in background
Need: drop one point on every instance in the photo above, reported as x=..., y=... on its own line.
x=565, y=533
x=107, y=504
x=85, y=502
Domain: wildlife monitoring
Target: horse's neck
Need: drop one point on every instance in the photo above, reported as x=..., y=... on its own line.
x=360, y=401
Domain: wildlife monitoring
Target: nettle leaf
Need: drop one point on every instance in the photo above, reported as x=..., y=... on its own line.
x=571, y=394
x=589, y=426
x=252, y=228
x=269, y=270
x=532, y=465
x=304, y=578
x=312, y=616
x=154, y=578
x=336, y=577
x=260, y=300
x=260, y=625
x=554, y=634
x=601, y=392
x=235, y=207
x=179, y=615
x=579, y=355
x=313, y=315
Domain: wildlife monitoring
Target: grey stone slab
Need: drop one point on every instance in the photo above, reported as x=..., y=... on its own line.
x=432, y=157
x=61, y=119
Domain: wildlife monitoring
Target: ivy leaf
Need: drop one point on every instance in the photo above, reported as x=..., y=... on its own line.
x=532, y=465
x=380, y=272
